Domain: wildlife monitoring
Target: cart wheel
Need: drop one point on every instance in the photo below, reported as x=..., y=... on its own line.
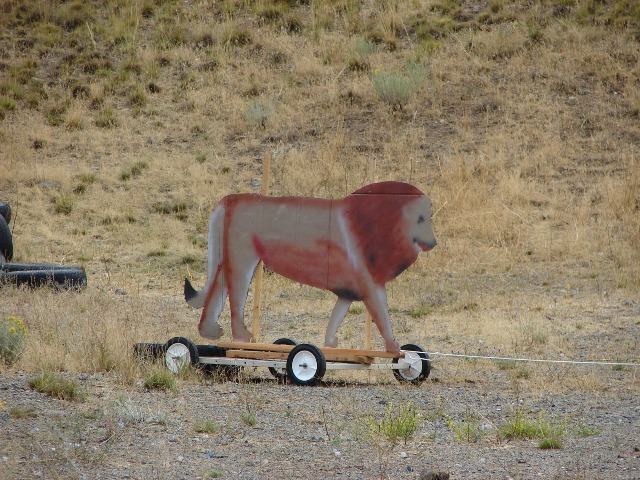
x=415, y=364
x=306, y=364
x=281, y=373
x=180, y=352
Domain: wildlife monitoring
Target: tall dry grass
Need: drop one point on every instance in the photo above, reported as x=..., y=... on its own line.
x=524, y=134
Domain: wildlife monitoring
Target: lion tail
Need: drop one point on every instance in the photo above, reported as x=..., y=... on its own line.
x=196, y=298
x=191, y=295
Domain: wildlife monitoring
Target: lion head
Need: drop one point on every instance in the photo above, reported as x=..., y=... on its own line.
x=392, y=221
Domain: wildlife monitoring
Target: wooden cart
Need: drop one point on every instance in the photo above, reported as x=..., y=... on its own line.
x=301, y=364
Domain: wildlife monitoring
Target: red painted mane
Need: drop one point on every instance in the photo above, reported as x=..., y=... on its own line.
x=375, y=214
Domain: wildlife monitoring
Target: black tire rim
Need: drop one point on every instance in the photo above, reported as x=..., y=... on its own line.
x=180, y=352
x=281, y=373
x=306, y=365
x=416, y=362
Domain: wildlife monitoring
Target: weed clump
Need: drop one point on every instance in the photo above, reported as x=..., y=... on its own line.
x=57, y=387
x=520, y=427
x=13, y=334
x=400, y=422
x=161, y=380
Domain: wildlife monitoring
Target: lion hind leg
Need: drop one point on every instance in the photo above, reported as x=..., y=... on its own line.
x=213, y=305
x=337, y=316
x=238, y=290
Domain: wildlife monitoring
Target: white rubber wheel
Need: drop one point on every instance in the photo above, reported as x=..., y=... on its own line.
x=306, y=365
x=414, y=366
x=180, y=353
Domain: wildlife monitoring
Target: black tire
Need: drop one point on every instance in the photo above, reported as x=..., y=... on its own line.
x=227, y=372
x=418, y=367
x=306, y=365
x=6, y=241
x=67, y=278
x=280, y=374
x=21, y=267
x=5, y=212
x=149, y=351
x=211, y=351
x=179, y=352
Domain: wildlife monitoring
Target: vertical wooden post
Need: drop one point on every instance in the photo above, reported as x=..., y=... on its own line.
x=257, y=289
x=371, y=175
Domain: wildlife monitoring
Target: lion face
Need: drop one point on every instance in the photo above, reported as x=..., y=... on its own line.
x=418, y=217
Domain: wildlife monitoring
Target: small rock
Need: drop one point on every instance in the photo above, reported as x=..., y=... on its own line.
x=171, y=438
x=404, y=454
x=337, y=453
x=431, y=475
x=181, y=458
x=119, y=291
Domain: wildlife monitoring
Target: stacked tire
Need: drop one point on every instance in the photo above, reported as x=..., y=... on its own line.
x=33, y=274
x=6, y=240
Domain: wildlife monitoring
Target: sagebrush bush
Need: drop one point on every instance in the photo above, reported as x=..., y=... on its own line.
x=13, y=333
x=396, y=89
x=258, y=112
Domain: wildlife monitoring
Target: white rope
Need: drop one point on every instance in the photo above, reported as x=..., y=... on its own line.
x=533, y=360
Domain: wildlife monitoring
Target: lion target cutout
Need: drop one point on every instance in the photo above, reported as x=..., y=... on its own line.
x=351, y=247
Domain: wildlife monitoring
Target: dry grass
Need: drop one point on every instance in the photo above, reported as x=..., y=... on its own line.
x=130, y=122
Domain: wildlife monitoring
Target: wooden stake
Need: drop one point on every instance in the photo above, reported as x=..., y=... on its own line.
x=371, y=175
x=257, y=289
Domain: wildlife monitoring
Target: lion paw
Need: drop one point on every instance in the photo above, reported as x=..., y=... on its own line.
x=242, y=335
x=392, y=346
x=331, y=342
x=212, y=332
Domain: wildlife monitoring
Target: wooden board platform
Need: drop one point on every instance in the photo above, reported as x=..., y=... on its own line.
x=280, y=352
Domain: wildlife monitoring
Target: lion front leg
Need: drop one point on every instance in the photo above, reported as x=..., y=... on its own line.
x=377, y=306
x=337, y=316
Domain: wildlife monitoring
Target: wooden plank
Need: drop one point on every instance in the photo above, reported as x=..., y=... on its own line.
x=331, y=357
x=261, y=347
x=257, y=354
x=343, y=353
x=361, y=353
x=260, y=355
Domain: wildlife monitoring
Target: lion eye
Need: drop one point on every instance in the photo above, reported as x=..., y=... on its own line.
x=421, y=219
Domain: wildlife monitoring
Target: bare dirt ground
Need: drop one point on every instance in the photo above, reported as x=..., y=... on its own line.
x=266, y=430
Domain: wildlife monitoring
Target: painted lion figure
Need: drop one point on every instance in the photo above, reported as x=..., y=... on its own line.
x=351, y=247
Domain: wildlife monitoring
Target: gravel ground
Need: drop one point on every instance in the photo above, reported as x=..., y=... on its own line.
x=314, y=432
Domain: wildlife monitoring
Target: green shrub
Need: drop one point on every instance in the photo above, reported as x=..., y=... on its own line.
x=467, y=430
x=63, y=205
x=206, y=427
x=107, y=117
x=161, y=380
x=249, y=419
x=395, y=88
x=258, y=112
x=57, y=387
x=361, y=49
x=400, y=422
x=12, y=337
